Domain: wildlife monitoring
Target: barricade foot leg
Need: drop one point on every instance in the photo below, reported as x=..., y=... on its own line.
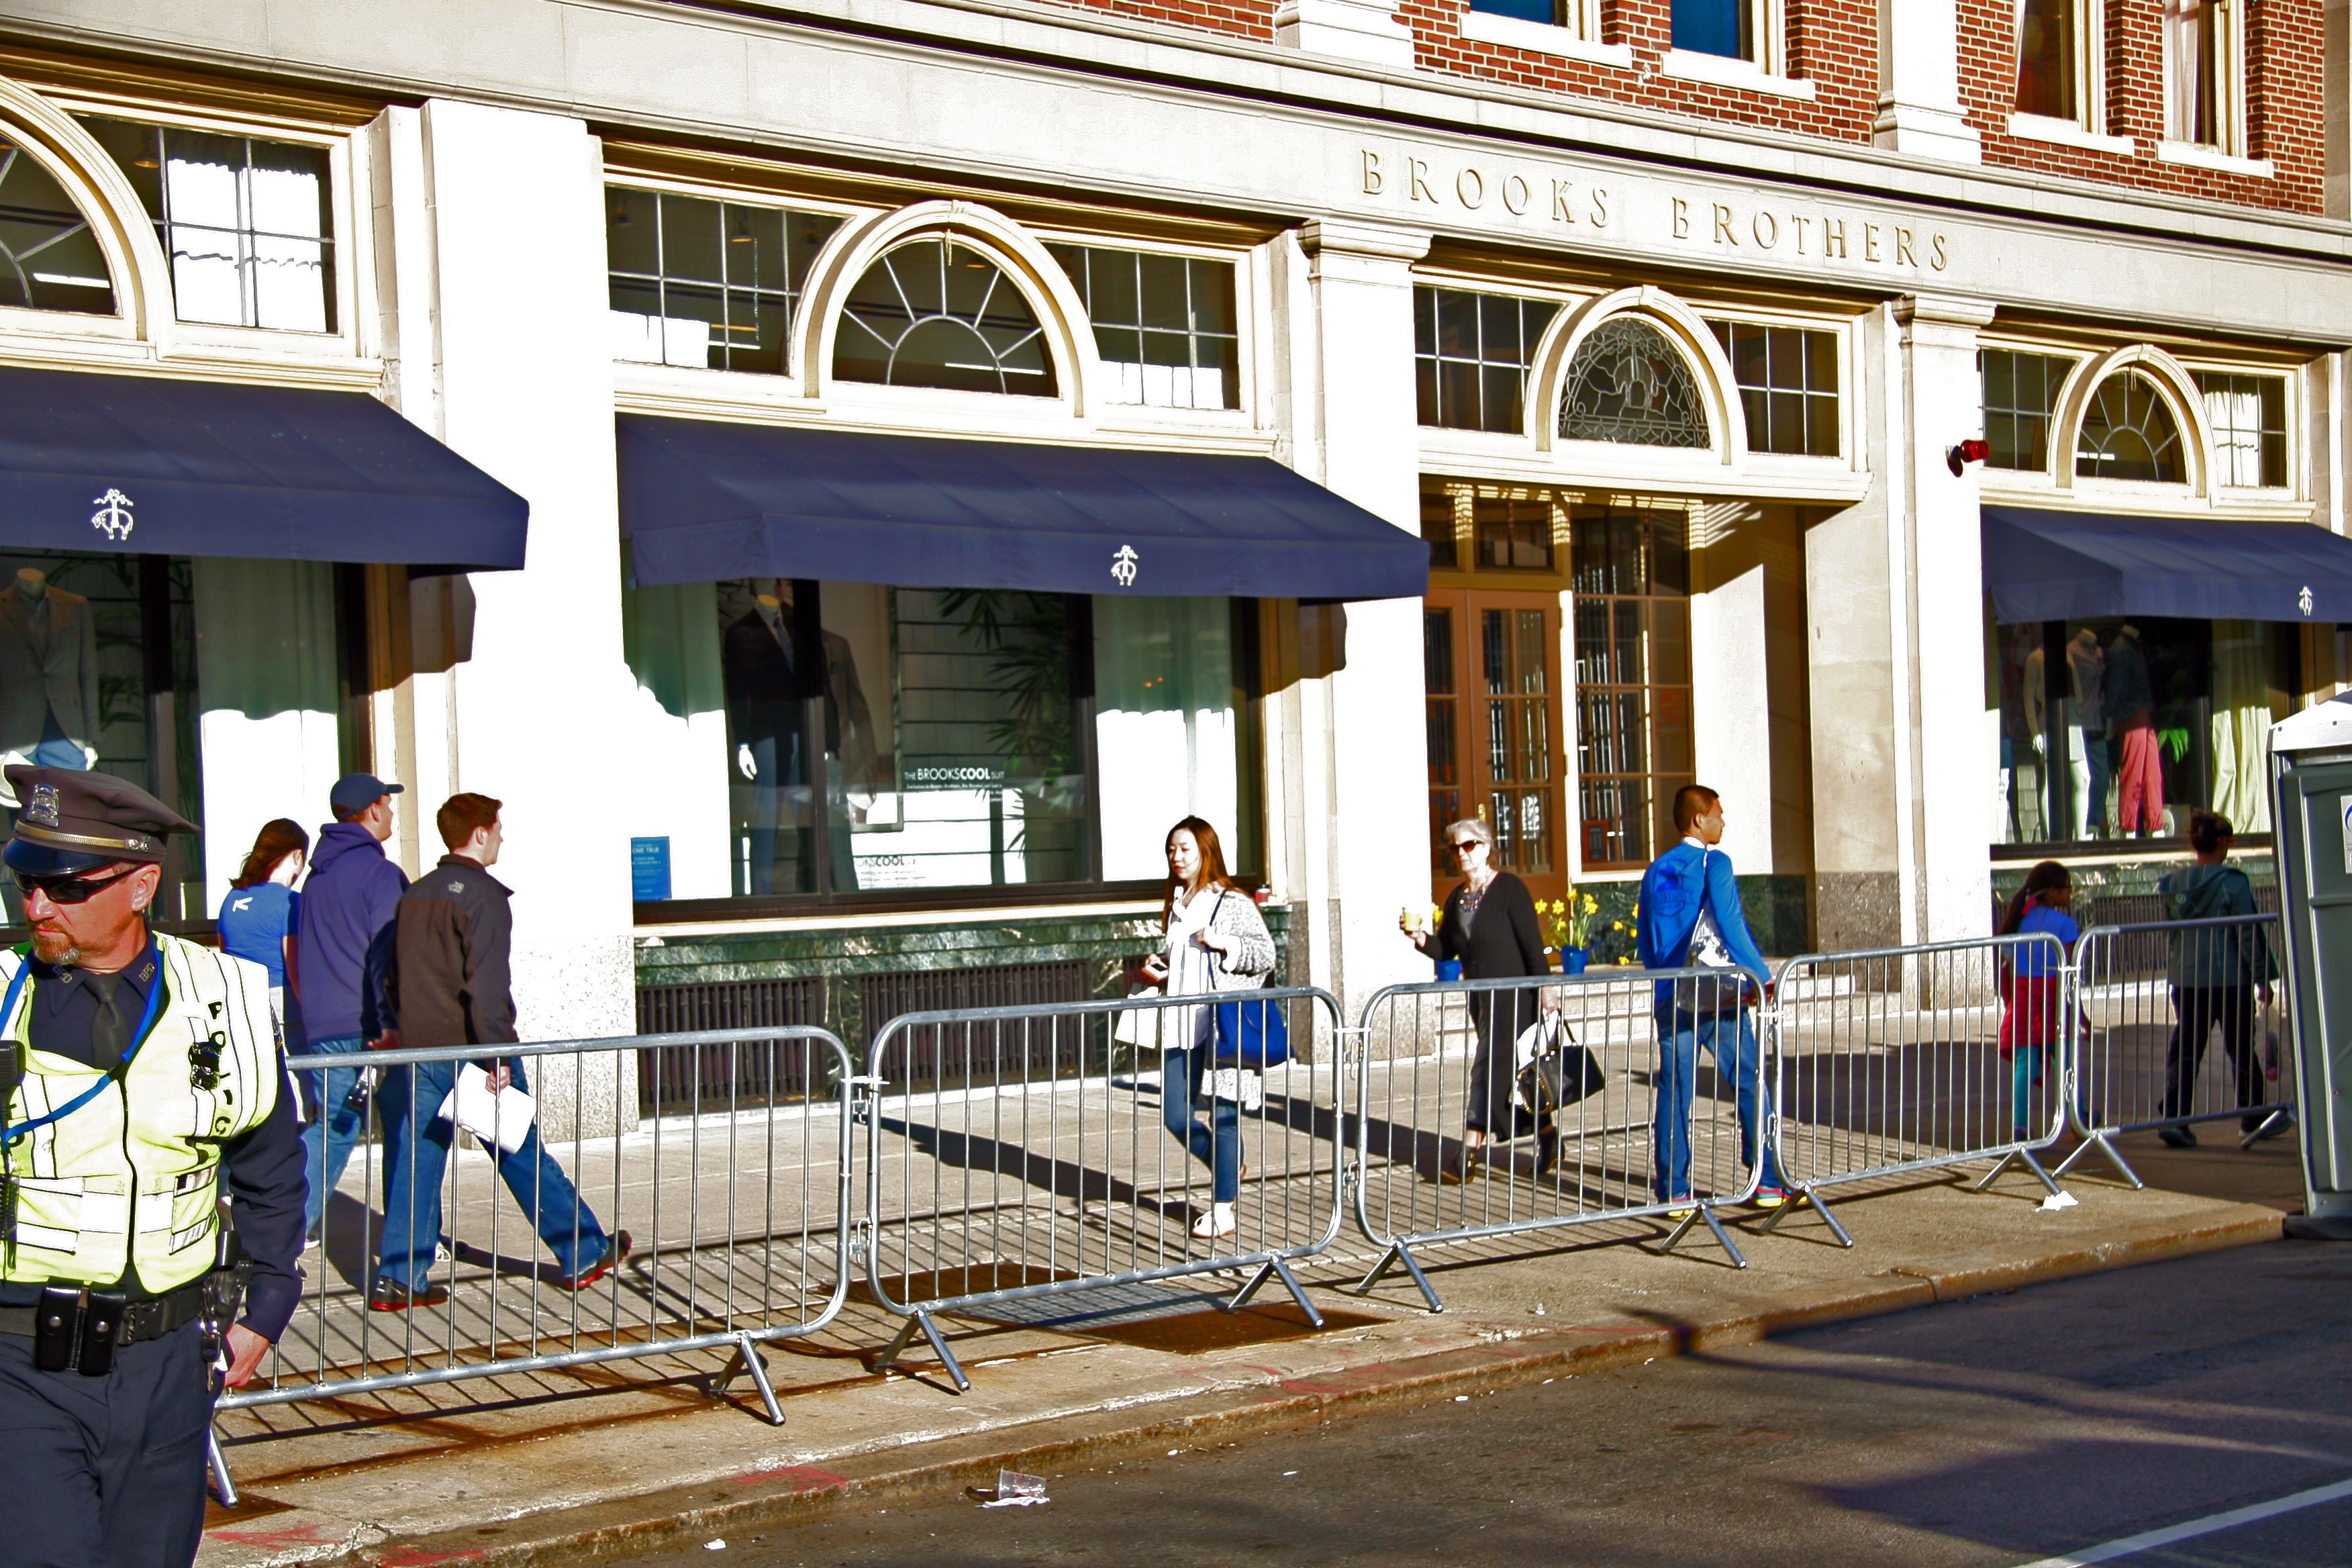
x=2104, y=1145
x=2280, y=1119
x=223, y=1484
x=1705, y=1212
x=2022, y=1157
x=1273, y=1268
x=922, y=1320
x=1400, y=1253
x=1805, y=1195
x=746, y=1360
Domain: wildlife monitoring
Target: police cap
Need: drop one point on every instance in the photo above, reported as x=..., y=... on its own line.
x=69, y=822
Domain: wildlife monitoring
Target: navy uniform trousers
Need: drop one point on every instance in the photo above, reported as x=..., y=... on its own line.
x=104, y=1472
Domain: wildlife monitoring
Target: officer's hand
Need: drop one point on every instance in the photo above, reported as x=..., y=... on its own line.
x=245, y=1352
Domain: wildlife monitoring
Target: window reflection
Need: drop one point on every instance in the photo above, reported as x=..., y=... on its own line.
x=709, y=284
x=937, y=313
x=48, y=259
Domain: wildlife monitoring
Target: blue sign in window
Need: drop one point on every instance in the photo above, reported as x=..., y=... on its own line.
x=648, y=868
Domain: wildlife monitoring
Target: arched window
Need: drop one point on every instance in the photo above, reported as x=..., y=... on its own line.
x=1629, y=383
x=2129, y=433
x=936, y=313
x=49, y=260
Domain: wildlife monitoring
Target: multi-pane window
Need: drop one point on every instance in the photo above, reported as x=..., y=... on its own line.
x=1163, y=324
x=246, y=223
x=2021, y=398
x=706, y=283
x=1580, y=17
x=1471, y=354
x=2199, y=55
x=1437, y=528
x=1632, y=582
x=1444, y=719
x=936, y=313
x=1729, y=27
x=1489, y=661
x=1503, y=528
x=2247, y=414
x=48, y=259
x=1788, y=380
x=2048, y=58
x=2129, y=433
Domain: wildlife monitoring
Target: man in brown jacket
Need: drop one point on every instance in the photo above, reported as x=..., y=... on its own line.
x=449, y=985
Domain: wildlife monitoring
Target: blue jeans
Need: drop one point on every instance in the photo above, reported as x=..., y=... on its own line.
x=328, y=1141
x=1679, y=1038
x=416, y=1151
x=1217, y=1145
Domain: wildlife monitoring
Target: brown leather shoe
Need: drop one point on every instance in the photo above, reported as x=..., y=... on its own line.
x=391, y=1296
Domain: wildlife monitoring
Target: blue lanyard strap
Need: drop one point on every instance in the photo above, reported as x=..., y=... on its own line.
x=146, y=1022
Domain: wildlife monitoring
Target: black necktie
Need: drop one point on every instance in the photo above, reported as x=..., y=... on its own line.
x=109, y=1032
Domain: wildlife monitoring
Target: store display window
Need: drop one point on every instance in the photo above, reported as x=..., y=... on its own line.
x=2120, y=727
x=1163, y=324
x=858, y=738
x=247, y=223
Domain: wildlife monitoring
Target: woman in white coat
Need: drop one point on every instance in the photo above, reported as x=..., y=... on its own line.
x=1216, y=941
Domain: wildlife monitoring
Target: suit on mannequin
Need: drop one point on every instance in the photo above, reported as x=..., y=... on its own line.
x=49, y=673
x=764, y=707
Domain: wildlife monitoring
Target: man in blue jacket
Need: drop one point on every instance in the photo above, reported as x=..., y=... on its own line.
x=1689, y=916
x=340, y=950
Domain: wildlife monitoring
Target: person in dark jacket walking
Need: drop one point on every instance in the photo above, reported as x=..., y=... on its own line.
x=342, y=939
x=1490, y=923
x=2215, y=972
x=450, y=984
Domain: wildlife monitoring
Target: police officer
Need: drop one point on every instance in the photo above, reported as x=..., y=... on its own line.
x=142, y=1074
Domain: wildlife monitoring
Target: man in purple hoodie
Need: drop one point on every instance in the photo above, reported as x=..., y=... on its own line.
x=341, y=950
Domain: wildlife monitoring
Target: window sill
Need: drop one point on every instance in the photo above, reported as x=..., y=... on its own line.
x=1538, y=37
x=1724, y=71
x=2198, y=156
x=2067, y=133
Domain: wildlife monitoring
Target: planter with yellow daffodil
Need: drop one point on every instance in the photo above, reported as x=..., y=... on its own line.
x=1568, y=927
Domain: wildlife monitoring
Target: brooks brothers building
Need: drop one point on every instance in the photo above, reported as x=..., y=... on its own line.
x=850, y=476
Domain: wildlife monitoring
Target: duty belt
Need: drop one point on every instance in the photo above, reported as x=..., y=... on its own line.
x=116, y=1323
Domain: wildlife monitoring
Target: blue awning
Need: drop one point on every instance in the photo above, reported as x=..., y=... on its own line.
x=141, y=465
x=2070, y=565
x=701, y=502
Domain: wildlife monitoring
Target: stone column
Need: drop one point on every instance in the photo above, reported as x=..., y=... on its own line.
x=1353, y=428
x=1919, y=82
x=1906, y=797
x=524, y=389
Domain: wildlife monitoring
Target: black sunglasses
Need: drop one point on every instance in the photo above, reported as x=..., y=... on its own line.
x=1467, y=845
x=68, y=890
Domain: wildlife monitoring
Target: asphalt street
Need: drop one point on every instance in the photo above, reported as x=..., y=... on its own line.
x=2006, y=1431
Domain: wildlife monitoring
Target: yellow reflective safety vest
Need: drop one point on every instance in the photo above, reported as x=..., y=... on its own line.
x=131, y=1179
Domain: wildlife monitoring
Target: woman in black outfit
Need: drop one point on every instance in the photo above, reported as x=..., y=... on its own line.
x=1490, y=923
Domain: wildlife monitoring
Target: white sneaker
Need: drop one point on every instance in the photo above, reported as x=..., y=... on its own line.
x=1218, y=1221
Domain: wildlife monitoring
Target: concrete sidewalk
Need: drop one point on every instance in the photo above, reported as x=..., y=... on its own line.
x=631, y=1455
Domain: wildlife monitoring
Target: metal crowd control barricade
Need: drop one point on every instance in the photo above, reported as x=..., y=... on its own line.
x=1902, y=1059
x=1439, y=1058
x=2154, y=998
x=1021, y=1154
x=724, y=1153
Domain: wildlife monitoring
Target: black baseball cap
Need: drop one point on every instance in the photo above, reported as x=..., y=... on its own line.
x=355, y=793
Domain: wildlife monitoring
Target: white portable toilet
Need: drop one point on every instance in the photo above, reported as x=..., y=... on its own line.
x=2310, y=802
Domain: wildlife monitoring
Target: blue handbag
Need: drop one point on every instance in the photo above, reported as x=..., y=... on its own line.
x=1253, y=1034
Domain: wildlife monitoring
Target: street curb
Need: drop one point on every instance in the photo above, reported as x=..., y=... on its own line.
x=739, y=1505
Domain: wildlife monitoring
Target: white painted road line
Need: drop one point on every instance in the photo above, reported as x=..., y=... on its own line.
x=2209, y=1524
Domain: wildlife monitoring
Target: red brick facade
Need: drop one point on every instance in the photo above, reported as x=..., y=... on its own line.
x=1834, y=45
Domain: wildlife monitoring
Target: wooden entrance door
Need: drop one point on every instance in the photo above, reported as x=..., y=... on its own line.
x=1491, y=663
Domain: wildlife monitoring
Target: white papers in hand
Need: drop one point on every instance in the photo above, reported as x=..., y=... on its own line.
x=503, y=1118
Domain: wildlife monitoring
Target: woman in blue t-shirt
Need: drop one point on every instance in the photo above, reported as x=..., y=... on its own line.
x=2036, y=990
x=256, y=918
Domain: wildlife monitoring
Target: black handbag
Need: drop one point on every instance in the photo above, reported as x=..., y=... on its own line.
x=1561, y=1074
